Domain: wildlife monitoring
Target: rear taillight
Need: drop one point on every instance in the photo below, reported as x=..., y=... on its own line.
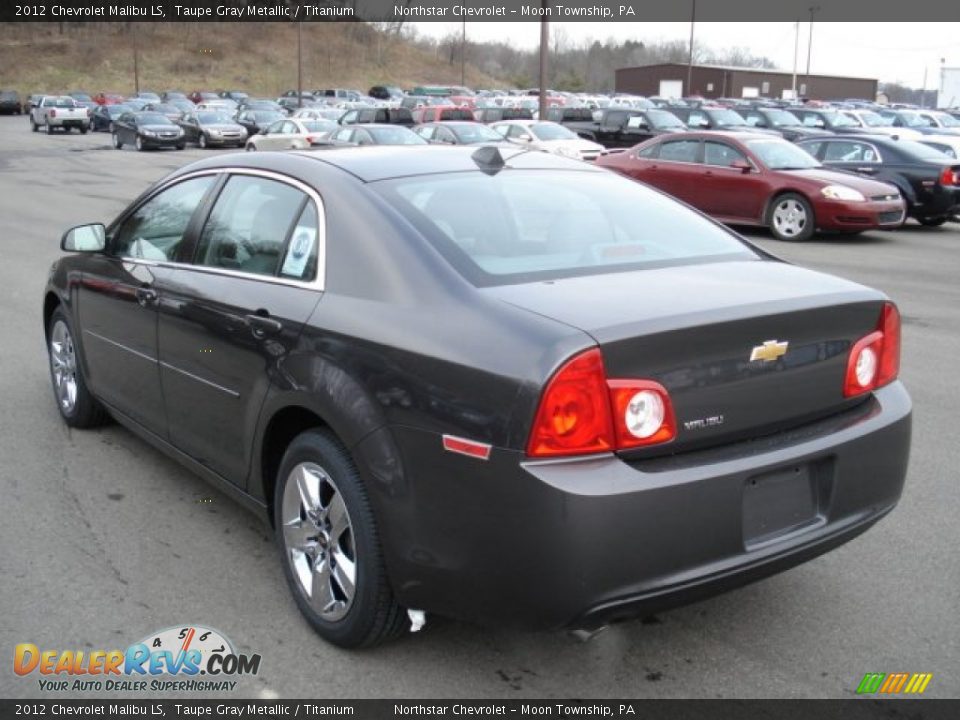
x=53, y=113
x=874, y=360
x=949, y=176
x=582, y=412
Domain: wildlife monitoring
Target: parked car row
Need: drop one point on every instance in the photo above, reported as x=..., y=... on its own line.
x=791, y=169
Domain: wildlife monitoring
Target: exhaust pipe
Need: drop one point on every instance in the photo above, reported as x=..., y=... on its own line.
x=418, y=619
x=586, y=634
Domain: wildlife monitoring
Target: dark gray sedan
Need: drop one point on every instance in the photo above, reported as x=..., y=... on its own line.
x=208, y=128
x=485, y=383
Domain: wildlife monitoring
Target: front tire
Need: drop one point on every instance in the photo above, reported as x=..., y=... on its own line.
x=116, y=141
x=139, y=144
x=202, y=141
x=329, y=546
x=932, y=222
x=34, y=126
x=77, y=406
x=790, y=218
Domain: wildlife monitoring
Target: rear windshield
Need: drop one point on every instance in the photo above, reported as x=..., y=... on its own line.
x=526, y=225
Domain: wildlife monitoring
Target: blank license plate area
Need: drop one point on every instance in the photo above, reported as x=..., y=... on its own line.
x=778, y=502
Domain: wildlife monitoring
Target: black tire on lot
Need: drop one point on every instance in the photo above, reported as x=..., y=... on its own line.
x=83, y=129
x=251, y=147
x=373, y=615
x=202, y=141
x=34, y=126
x=116, y=141
x=139, y=144
x=49, y=129
x=932, y=222
x=790, y=217
x=86, y=411
x=181, y=146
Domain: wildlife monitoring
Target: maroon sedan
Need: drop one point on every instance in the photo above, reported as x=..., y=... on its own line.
x=747, y=179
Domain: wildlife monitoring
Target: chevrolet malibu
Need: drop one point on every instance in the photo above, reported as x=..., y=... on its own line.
x=743, y=179
x=492, y=384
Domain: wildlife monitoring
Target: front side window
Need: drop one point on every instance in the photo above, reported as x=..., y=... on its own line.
x=525, y=225
x=248, y=226
x=156, y=229
x=680, y=151
x=721, y=154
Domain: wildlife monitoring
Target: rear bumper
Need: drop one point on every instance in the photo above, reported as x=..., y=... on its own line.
x=579, y=543
x=69, y=122
x=840, y=216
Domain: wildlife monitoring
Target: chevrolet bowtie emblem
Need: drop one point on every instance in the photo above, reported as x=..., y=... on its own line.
x=769, y=351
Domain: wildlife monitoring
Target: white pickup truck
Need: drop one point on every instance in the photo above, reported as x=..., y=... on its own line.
x=62, y=111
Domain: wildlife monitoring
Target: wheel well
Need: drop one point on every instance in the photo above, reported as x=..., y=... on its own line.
x=284, y=426
x=50, y=303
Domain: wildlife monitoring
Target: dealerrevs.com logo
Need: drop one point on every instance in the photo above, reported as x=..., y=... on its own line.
x=170, y=660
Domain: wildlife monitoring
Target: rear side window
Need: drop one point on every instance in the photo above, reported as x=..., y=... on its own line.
x=247, y=229
x=525, y=225
x=155, y=230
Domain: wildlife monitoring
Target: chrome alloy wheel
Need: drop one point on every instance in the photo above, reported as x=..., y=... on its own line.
x=63, y=365
x=318, y=539
x=789, y=217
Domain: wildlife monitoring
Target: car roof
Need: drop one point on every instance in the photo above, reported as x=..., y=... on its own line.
x=382, y=162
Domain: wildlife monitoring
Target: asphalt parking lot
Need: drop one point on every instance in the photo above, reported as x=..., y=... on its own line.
x=105, y=540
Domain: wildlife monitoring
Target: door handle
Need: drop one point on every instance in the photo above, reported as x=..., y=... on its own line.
x=262, y=325
x=146, y=296
x=867, y=170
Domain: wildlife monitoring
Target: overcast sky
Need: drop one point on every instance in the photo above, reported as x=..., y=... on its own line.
x=887, y=51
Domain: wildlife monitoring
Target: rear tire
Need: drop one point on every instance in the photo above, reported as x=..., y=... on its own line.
x=138, y=143
x=34, y=126
x=327, y=537
x=116, y=141
x=49, y=129
x=78, y=407
x=932, y=222
x=790, y=218
x=181, y=146
x=83, y=130
x=202, y=141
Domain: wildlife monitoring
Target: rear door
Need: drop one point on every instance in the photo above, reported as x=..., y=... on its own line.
x=679, y=171
x=235, y=314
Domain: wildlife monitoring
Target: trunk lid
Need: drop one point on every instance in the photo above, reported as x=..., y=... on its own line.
x=694, y=329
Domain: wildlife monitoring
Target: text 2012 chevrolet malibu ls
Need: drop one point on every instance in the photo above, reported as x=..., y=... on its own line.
x=497, y=385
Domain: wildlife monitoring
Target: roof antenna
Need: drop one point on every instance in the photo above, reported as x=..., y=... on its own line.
x=489, y=160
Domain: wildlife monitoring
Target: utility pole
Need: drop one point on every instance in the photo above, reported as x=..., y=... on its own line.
x=463, y=55
x=544, y=49
x=923, y=95
x=136, y=59
x=299, y=64
x=796, y=55
x=693, y=22
x=814, y=9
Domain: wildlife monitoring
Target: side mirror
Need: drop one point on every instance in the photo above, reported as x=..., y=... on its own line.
x=741, y=165
x=85, y=238
x=525, y=137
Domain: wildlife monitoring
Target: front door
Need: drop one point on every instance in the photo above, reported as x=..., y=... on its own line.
x=729, y=192
x=231, y=318
x=118, y=300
